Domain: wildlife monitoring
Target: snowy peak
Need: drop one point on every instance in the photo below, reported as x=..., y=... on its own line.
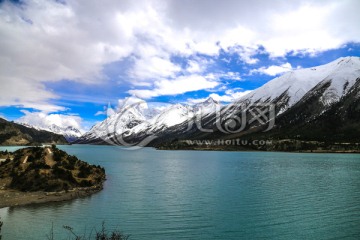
x=319, y=87
x=172, y=115
x=210, y=100
x=207, y=107
x=138, y=107
x=129, y=114
x=69, y=132
x=295, y=84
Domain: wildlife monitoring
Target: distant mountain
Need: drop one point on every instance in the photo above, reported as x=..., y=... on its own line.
x=70, y=133
x=16, y=134
x=312, y=104
x=129, y=116
x=134, y=122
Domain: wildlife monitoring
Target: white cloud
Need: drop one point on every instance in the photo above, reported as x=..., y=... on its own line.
x=98, y=113
x=273, y=70
x=45, y=41
x=194, y=67
x=231, y=76
x=229, y=96
x=44, y=121
x=179, y=85
x=55, y=43
x=152, y=68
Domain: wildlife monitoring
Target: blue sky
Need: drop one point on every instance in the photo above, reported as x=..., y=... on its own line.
x=69, y=59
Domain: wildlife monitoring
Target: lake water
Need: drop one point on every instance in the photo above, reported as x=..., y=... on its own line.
x=152, y=194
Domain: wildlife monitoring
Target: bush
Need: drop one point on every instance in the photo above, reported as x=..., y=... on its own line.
x=103, y=234
x=40, y=165
x=68, y=165
x=64, y=174
x=85, y=183
x=54, y=186
x=18, y=155
x=84, y=171
x=58, y=154
x=82, y=174
x=5, y=162
x=72, y=159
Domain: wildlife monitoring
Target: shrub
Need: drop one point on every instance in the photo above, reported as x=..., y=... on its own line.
x=72, y=159
x=84, y=171
x=82, y=174
x=103, y=234
x=85, y=183
x=68, y=165
x=54, y=186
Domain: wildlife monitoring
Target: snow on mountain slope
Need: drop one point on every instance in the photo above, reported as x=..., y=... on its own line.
x=342, y=79
x=207, y=107
x=69, y=132
x=171, y=116
x=297, y=83
x=132, y=120
x=126, y=118
x=175, y=115
x=136, y=120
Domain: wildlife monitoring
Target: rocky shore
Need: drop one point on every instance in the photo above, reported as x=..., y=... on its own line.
x=46, y=174
x=13, y=198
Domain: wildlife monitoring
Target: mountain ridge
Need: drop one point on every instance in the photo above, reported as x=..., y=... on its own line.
x=70, y=133
x=16, y=134
x=299, y=97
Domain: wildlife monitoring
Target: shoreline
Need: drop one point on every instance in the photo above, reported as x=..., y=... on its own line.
x=256, y=150
x=15, y=198
x=222, y=149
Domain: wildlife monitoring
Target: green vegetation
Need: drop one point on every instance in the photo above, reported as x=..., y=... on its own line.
x=103, y=234
x=48, y=169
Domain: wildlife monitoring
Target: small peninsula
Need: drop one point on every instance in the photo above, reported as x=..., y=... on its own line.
x=45, y=174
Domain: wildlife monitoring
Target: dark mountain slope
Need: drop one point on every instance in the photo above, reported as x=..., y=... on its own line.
x=17, y=134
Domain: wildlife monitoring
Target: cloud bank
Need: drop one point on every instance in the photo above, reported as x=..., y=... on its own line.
x=44, y=41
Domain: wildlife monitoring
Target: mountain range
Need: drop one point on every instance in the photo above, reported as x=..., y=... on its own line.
x=311, y=104
x=299, y=108
x=17, y=134
x=69, y=132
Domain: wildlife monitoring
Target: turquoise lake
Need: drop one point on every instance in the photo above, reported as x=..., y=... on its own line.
x=153, y=194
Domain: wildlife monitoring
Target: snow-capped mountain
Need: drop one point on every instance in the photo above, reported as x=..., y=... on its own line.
x=171, y=116
x=70, y=133
x=128, y=116
x=303, y=97
x=132, y=120
x=292, y=86
x=300, y=97
x=207, y=107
